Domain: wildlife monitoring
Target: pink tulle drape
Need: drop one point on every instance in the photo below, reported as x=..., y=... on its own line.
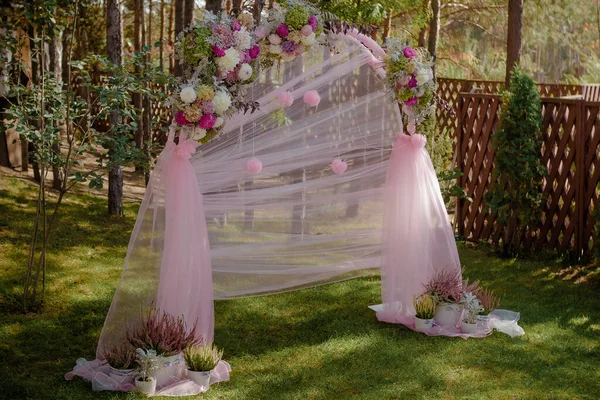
x=418, y=238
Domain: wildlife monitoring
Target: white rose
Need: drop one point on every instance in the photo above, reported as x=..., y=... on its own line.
x=424, y=75
x=308, y=40
x=218, y=122
x=245, y=72
x=274, y=39
x=188, y=95
x=221, y=101
x=274, y=49
x=199, y=134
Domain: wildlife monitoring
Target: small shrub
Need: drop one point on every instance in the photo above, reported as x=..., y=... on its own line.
x=424, y=306
x=121, y=356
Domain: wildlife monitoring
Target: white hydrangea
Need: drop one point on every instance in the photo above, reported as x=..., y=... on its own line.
x=424, y=75
x=308, y=40
x=228, y=62
x=221, y=101
x=245, y=72
x=188, y=95
x=275, y=49
x=242, y=39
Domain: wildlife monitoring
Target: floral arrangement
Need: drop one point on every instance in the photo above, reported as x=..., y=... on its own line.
x=410, y=79
x=424, y=306
x=162, y=333
x=148, y=361
x=218, y=54
x=121, y=355
x=289, y=31
x=446, y=286
x=471, y=306
x=202, y=358
x=489, y=301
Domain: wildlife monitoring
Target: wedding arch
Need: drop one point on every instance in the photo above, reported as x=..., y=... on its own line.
x=304, y=177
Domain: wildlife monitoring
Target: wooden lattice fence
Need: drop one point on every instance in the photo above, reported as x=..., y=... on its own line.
x=571, y=135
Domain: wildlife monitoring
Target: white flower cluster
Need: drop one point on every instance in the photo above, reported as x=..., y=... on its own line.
x=221, y=101
x=243, y=41
x=228, y=62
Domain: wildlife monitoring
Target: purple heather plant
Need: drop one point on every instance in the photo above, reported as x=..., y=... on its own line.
x=161, y=332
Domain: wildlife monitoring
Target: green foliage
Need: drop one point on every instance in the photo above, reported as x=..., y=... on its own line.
x=515, y=196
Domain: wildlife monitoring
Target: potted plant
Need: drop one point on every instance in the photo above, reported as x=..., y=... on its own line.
x=489, y=302
x=167, y=336
x=121, y=358
x=471, y=308
x=200, y=360
x=446, y=287
x=425, y=310
x=147, y=362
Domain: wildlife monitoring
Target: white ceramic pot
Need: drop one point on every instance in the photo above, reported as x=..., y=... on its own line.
x=146, y=387
x=121, y=376
x=483, y=322
x=169, y=368
x=423, y=325
x=200, y=378
x=447, y=314
x=465, y=327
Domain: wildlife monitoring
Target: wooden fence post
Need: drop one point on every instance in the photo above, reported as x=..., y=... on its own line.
x=459, y=163
x=580, y=173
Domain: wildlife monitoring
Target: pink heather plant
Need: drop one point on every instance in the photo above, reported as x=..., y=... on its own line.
x=161, y=332
x=120, y=356
x=488, y=299
x=446, y=285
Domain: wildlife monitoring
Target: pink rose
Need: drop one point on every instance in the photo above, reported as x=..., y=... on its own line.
x=207, y=121
x=306, y=30
x=409, y=52
x=254, y=51
x=412, y=82
x=411, y=102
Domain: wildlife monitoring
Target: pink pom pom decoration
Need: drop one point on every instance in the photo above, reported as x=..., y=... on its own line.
x=254, y=165
x=285, y=99
x=338, y=166
x=418, y=141
x=312, y=98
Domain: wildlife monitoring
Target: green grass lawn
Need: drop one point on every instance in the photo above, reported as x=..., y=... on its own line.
x=321, y=343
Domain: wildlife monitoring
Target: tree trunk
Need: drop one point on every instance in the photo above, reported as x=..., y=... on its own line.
x=149, y=35
x=188, y=15
x=161, y=49
x=434, y=30
x=387, y=24
x=171, y=38
x=114, y=49
x=236, y=7
x=216, y=5
x=56, y=50
x=179, y=25
x=513, y=39
x=138, y=44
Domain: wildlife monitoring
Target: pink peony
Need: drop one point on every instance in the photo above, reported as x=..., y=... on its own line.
x=254, y=51
x=180, y=118
x=245, y=57
x=208, y=107
x=338, y=166
x=283, y=30
x=312, y=98
x=409, y=52
x=306, y=30
x=261, y=32
x=236, y=25
x=218, y=51
x=312, y=21
x=411, y=102
x=285, y=99
x=412, y=82
x=254, y=165
x=207, y=121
